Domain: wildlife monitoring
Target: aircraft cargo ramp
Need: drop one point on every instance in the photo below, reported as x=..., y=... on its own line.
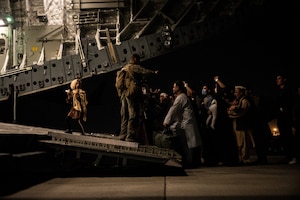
x=100, y=145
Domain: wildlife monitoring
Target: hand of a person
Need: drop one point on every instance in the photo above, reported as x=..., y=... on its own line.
x=216, y=78
x=185, y=84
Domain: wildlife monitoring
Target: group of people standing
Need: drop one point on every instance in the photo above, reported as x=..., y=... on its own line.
x=137, y=111
x=240, y=112
x=219, y=126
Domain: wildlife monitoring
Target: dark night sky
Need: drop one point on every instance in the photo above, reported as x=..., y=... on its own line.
x=249, y=53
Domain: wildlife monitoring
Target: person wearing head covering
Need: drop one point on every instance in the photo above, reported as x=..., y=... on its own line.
x=77, y=98
x=239, y=111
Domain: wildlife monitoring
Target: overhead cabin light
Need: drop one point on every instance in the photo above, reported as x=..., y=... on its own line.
x=6, y=20
x=167, y=36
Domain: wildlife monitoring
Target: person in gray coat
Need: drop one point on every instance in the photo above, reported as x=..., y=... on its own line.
x=181, y=120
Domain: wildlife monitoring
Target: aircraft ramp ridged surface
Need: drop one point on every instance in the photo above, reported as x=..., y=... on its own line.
x=104, y=144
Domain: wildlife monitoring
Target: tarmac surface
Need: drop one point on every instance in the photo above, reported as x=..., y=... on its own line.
x=34, y=175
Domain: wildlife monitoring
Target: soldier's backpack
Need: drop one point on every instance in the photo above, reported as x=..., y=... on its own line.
x=120, y=81
x=125, y=81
